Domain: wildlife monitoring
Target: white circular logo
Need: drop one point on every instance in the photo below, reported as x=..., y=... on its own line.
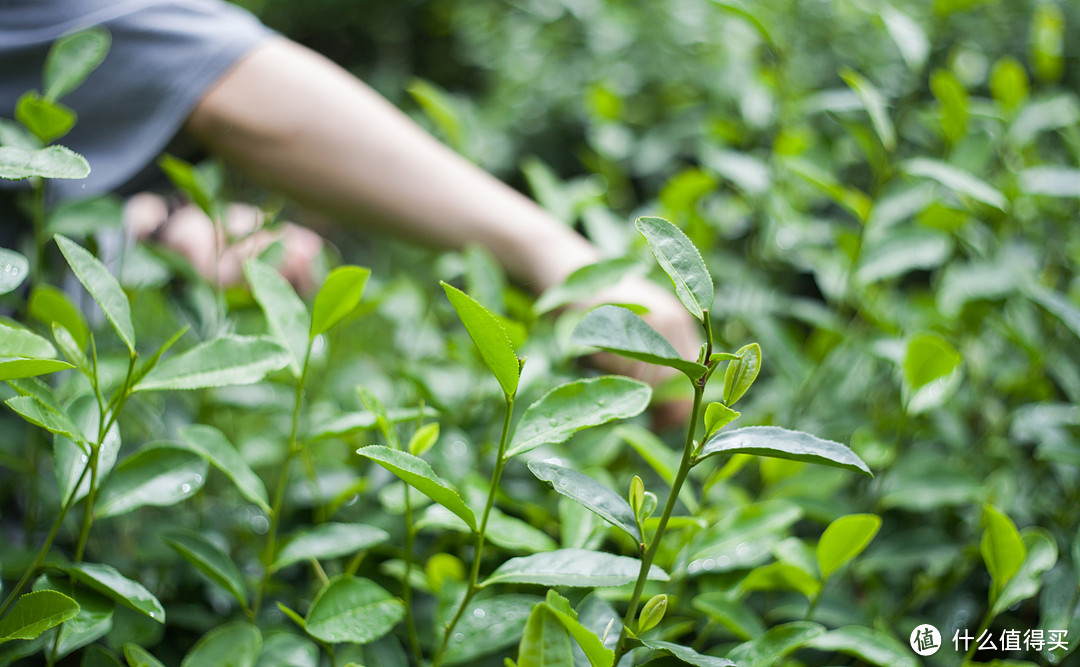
x=925, y=639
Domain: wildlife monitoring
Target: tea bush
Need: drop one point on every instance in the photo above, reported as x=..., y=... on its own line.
x=392, y=473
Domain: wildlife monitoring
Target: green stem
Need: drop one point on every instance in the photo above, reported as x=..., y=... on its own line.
x=91, y=495
x=283, y=481
x=978, y=633
x=39, y=229
x=410, y=542
x=673, y=497
x=474, y=572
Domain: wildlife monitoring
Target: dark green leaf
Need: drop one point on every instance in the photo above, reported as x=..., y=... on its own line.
x=35, y=613
x=619, y=330
x=209, y=559
x=339, y=296
x=576, y=405
x=770, y=648
x=110, y=583
x=730, y=613
x=84, y=217
x=487, y=626
x=329, y=540
x=212, y=445
x=285, y=312
x=686, y=654
x=415, y=472
x=781, y=443
x=48, y=304
x=137, y=656
x=191, y=181
x=489, y=337
x=681, y=260
x=354, y=610
x=873, y=646
x=236, y=644
x=47, y=417
x=844, y=539
x=13, y=270
x=72, y=58
x=71, y=458
x=51, y=162
x=956, y=179
x=102, y=286
x=571, y=567
x=584, y=283
x=283, y=649
x=155, y=475
x=229, y=360
x=781, y=576
x=588, y=492
x=94, y=620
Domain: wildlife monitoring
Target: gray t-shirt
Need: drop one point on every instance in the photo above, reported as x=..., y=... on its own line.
x=165, y=56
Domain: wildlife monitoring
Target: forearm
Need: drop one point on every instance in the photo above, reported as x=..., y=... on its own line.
x=302, y=126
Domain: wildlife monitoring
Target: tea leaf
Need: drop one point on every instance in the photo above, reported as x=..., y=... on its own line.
x=137, y=656
x=584, y=283
x=619, y=330
x=873, y=646
x=576, y=405
x=229, y=360
x=13, y=270
x=36, y=612
x=110, y=583
x=158, y=475
x=741, y=372
x=591, y=494
x=770, y=648
x=102, y=286
x=209, y=559
x=928, y=358
x=1041, y=555
x=487, y=626
x=545, y=641
x=47, y=120
x=338, y=297
x=53, y=420
x=423, y=439
x=14, y=368
x=732, y=614
x=415, y=472
x=681, y=260
x=685, y=654
x=1002, y=548
x=717, y=416
x=594, y=649
x=285, y=312
x=191, y=181
x=571, y=567
x=236, y=644
x=19, y=342
x=784, y=444
x=355, y=610
x=72, y=58
x=956, y=179
x=212, y=445
x=70, y=457
x=781, y=576
x=489, y=337
x=48, y=304
x=844, y=539
x=51, y=162
x=283, y=649
x=329, y=540
x=874, y=103
x=82, y=218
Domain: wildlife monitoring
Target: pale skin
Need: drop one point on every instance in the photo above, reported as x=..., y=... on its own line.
x=301, y=125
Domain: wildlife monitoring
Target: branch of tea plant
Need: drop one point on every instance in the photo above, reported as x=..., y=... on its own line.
x=406, y=585
x=283, y=481
x=673, y=496
x=474, y=573
x=978, y=633
x=39, y=227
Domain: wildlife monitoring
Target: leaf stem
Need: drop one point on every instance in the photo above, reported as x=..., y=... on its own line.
x=654, y=544
x=406, y=584
x=474, y=572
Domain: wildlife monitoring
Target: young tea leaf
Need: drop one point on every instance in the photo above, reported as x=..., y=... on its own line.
x=770, y=648
x=102, y=286
x=844, y=539
x=591, y=494
x=285, y=312
x=576, y=405
x=1041, y=555
x=875, y=105
x=682, y=262
x=229, y=360
x=619, y=330
x=741, y=372
x=423, y=439
x=47, y=120
x=236, y=644
x=338, y=297
x=784, y=444
x=210, y=560
x=591, y=645
x=717, y=416
x=545, y=642
x=1002, y=549
x=354, y=610
x=780, y=576
x=418, y=474
x=489, y=337
x=928, y=358
x=572, y=567
x=36, y=612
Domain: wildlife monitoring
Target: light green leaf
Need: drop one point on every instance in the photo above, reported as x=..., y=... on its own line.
x=1009, y=84
x=94, y=620
x=285, y=312
x=681, y=260
x=209, y=559
x=956, y=179
x=730, y=613
x=717, y=416
x=48, y=304
x=353, y=422
x=84, y=217
x=901, y=250
x=1002, y=549
x=440, y=108
x=212, y=445
x=513, y=534
x=908, y=36
x=489, y=337
x=423, y=439
x=72, y=58
x=659, y=456
x=686, y=654
x=102, y=286
x=781, y=576
x=110, y=583
x=19, y=342
x=191, y=181
x=137, y=656
x=1058, y=305
x=584, y=283
x=339, y=296
x=868, y=644
x=14, y=368
x=36, y=612
x=354, y=610
x=591, y=494
x=487, y=626
x=844, y=539
x=741, y=372
x=545, y=641
x=47, y=120
x=158, y=475
x=784, y=444
x=229, y=360
x=874, y=103
x=71, y=457
x=619, y=330
x=594, y=649
x=770, y=648
x=284, y=649
x=235, y=644
x=51, y=418
x=329, y=540
x=13, y=270
x=576, y=405
x=415, y=472
x=571, y=567
x=50, y=162
x=952, y=100
x=928, y=357
x=1042, y=554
